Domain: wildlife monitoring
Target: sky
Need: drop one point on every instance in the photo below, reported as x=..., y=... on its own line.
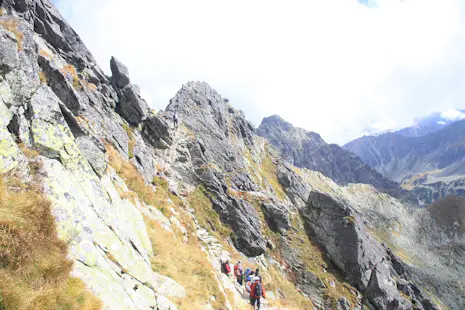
x=342, y=68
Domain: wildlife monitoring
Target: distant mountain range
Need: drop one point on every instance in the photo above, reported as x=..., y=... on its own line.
x=428, y=158
x=432, y=123
x=307, y=149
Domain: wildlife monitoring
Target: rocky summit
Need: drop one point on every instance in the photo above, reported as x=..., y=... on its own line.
x=107, y=204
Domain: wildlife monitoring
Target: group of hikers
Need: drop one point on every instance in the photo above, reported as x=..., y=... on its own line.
x=253, y=281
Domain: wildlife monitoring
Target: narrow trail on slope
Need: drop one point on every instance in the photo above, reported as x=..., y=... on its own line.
x=216, y=254
x=213, y=247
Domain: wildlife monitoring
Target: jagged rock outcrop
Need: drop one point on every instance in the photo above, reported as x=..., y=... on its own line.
x=340, y=230
x=332, y=217
x=120, y=73
x=214, y=125
x=156, y=132
x=131, y=106
x=306, y=149
x=47, y=105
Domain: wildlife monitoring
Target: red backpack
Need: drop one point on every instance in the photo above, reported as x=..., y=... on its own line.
x=227, y=268
x=237, y=270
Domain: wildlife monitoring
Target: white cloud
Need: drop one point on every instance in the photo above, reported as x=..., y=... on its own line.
x=441, y=122
x=146, y=96
x=453, y=115
x=335, y=67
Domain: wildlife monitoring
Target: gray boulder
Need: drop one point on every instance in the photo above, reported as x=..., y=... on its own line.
x=240, y=215
x=276, y=215
x=243, y=219
x=343, y=304
x=341, y=232
x=156, y=132
x=381, y=291
x=8, y=51
x=120, y=73
x=62, y=87
x=132, y=107
x=93, y=154
x=305, y=280
x=294, y=186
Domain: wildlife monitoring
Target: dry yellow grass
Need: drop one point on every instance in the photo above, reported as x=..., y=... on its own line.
x=34, y=164
x=89, y=85
x=313, y=259
x=131, y=143
x=34, y=268
x=71, y=71
x=2, y=11
x=206, y=215
x=43, y=78
x=293, y=299
x=134, y=181
x=188, y=265
x=12, y=25
x=132, y=177
x=45, y=54
x=268, y=172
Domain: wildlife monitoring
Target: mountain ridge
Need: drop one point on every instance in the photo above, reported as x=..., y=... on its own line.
x=147, y=212
x=417, y=162
x=308, y=150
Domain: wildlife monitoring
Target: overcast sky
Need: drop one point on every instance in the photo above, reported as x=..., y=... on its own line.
x=341, y=68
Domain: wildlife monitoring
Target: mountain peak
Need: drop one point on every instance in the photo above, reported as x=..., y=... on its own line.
x=277, y=123
x=307, y=149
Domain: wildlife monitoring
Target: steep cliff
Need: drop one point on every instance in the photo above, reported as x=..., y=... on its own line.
x=145, y=211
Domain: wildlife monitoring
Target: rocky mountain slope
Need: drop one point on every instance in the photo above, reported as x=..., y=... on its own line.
x=145, y=211
x=432, y=165
x=306, y=149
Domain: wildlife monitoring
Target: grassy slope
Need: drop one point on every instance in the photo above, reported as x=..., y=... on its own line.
x=34, y=268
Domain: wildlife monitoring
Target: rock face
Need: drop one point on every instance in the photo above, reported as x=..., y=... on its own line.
x=333, y=217
x=432, y=165
x=308, y=150
x=47, y=105
x=156, y=132
x=120, y=73
x=341, y=232
x=131, y=106
x=214, y=124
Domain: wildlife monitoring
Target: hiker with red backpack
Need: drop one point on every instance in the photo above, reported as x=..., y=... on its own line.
x=249, y=281
x=257, y=291
x=238, y=272
x=225, y=268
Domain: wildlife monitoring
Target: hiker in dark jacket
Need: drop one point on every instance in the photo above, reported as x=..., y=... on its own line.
x=257, y=291
x=257, y=274
x=175, y=119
